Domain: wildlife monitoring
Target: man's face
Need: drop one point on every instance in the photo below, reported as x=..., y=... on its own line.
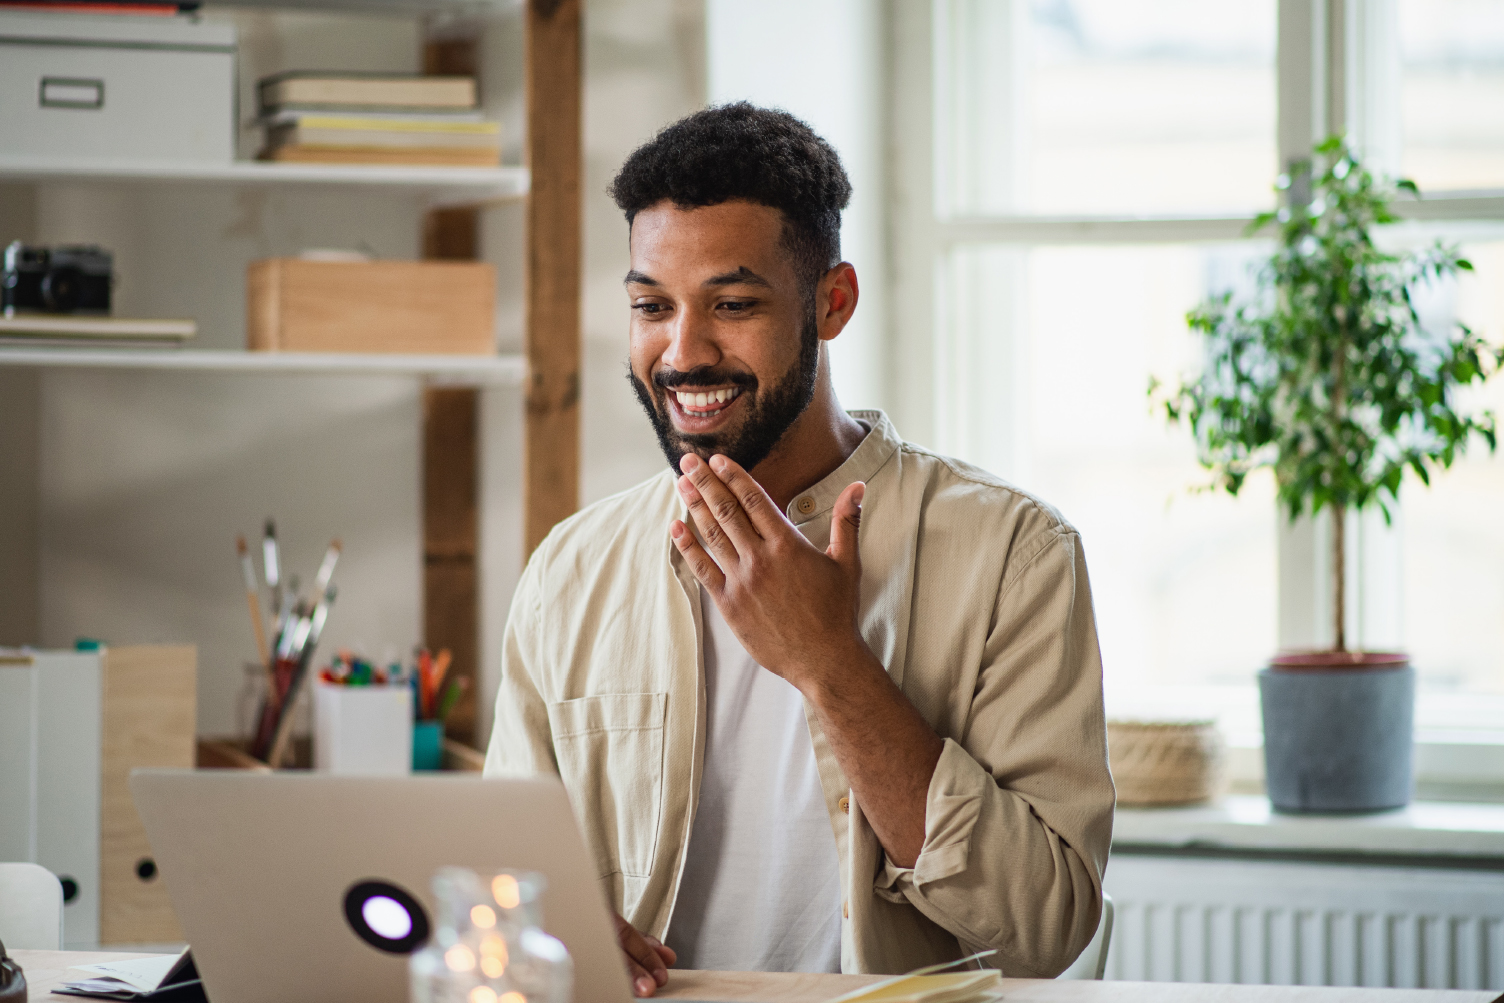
x=724, y=349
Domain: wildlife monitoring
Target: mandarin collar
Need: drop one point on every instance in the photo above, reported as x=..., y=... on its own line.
x=867, y=459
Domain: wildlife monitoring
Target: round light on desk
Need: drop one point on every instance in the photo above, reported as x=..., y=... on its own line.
x=385, y=916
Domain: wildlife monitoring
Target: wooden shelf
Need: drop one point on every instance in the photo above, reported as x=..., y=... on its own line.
x=454, y=370
x=440, y=186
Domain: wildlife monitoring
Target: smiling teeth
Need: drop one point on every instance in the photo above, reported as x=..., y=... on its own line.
x=709, y=399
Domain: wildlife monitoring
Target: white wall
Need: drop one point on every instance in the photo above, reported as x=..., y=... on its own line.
x=644, y=68
x=825, y=63
x=121, y=492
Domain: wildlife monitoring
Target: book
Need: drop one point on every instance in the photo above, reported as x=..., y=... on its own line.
x=159, y=8
x=167, y=977
x=331, y=131
x=419, y=157
x=94, y=328
x=365, y=91
x=297, y=112
x=431, y=156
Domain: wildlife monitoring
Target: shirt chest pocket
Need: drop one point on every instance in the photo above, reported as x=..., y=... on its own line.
x=610, y=754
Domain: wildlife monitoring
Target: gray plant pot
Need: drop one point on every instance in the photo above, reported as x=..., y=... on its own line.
x=1338, y=739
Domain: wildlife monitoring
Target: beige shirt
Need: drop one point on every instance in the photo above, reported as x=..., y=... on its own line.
x=974, y=596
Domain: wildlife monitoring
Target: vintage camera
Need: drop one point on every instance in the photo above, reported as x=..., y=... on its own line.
x=70, y=279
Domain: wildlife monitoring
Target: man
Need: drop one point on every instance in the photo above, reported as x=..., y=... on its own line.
x=822, y=700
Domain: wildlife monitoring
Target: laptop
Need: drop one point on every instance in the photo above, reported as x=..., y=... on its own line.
x=259, y=867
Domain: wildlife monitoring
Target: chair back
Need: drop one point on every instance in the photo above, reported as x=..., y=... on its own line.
x=1092, y=962
x=31, y=908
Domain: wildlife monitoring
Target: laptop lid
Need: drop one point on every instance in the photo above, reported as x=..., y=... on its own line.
x=258, y=866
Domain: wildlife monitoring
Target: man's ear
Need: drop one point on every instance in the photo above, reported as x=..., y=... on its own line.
x=835, y=300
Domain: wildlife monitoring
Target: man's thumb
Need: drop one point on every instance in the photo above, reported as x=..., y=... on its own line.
x=845, y=520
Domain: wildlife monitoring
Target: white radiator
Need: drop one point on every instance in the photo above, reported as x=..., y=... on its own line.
x=1183, y=919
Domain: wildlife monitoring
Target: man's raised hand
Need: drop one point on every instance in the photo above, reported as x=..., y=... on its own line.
x=793, y=608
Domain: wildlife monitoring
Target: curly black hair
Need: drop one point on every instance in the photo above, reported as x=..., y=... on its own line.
x=740, y=151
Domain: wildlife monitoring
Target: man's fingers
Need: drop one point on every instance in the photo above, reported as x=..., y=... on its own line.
x=643, y=984
x=720, y=505
x=759, y=508
x=645, y=966
x=845, y=522
x=700, y=564
x=668, y=954
x=715, y=537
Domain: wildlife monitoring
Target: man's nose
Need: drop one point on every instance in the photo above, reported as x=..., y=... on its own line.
x=691, y=343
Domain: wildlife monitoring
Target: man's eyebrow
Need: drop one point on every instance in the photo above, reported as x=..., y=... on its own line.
x=743, y=276
x=634, y=276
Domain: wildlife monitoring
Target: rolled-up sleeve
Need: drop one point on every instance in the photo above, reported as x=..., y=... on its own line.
x=521, y=739
x=1018, y=817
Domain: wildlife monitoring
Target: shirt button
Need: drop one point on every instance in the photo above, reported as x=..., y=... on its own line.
x=845, y=806
x=806, y=505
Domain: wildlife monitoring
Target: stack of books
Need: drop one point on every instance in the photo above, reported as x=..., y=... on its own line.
x=345, y=118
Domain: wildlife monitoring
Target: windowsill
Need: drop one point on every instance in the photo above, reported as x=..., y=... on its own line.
x=1459, y=744
x=1241, y=823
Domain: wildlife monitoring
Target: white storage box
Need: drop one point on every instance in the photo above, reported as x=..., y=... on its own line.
x=50, y=713
x=72, y=727
x=364, y=730
x=78, y=88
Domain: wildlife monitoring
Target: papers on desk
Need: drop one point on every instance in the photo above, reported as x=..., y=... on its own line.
x=951, y=987
x=928, y=985
x=162, y=978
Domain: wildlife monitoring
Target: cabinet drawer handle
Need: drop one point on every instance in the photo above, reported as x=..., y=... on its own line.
x=71, y=92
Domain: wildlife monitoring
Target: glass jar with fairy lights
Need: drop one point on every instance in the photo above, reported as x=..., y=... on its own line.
x=489, y=945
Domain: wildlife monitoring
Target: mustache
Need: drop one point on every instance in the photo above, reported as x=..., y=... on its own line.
x=704, y=376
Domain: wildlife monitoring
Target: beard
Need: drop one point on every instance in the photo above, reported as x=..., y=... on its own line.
x=767, y=414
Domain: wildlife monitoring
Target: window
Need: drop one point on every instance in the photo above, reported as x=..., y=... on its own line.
x=1191, y=576
x=1077, y=174
x=1452, y=534
x=1069, y=107
x=1452, y=93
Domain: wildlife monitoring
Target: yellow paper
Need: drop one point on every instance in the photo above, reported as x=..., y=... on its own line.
x=952, y=987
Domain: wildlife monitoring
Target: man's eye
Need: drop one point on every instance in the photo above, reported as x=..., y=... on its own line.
x=648, y=308
x=732, y=306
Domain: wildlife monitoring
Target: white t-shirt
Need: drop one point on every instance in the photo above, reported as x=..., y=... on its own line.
x=761, y=890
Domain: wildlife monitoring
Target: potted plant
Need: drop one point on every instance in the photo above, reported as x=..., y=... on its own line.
x=1327, y=376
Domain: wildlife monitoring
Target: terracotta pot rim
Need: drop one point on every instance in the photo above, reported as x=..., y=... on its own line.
x=1338, y=661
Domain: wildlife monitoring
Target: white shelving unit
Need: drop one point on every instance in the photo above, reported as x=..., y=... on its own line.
x=449, y=370
x=298, y=442
x=434, y=186
x=438, y=186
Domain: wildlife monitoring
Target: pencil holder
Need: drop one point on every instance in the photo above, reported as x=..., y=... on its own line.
x=363, y=729
x=428, y=745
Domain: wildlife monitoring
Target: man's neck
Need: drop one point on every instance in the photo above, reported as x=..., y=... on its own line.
x=811, y=448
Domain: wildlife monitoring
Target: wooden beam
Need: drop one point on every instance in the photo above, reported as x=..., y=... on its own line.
x=551, y=474
x=451, y=458
x=451, y=541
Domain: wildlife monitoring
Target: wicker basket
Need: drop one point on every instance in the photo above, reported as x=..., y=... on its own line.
x=1166, y=763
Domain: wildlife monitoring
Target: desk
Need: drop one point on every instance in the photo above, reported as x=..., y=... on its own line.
x=45, y=969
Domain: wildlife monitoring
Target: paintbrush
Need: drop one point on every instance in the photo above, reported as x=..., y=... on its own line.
x=272, y=566
x=248, y=572
x=326, y=570
x=310, y=628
